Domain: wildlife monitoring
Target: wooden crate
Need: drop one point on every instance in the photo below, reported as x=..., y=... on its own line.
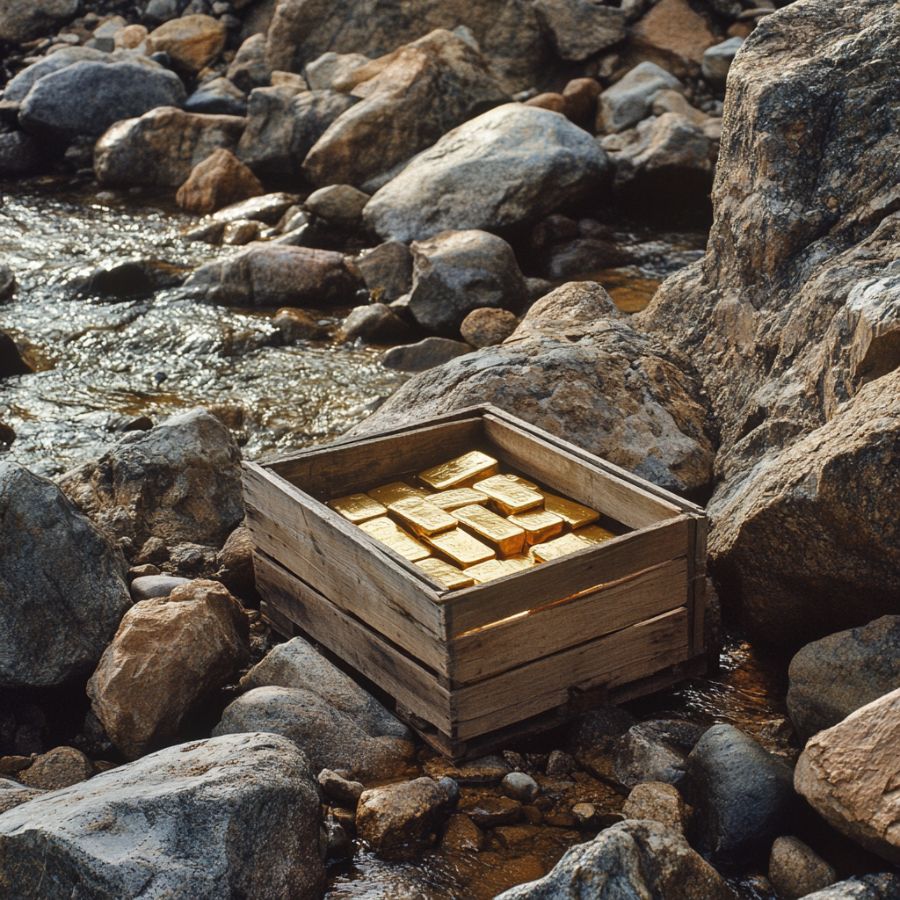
x=471, y=668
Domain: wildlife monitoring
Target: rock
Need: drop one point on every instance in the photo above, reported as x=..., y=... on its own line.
x=717, y=60
x=580, y=98
x=131, y=37
x=637, y=858
x=673, y=35
x=479, y=771
x=283, y=124
x=179, y=481
x=630, y=99
x=276, y=275
x=230, y=816
x=788, y=320
x=579, y=28
x=658, y=801
x=552, y=101
x=249, y=68
x=375, y=323
x=461, y=834
x=130, y=278
x=796, y=871
x=87, y=97
x=17, y=87
x=299, y=325
x=485, y=326
x=330, y=737
x=409, y=100
x=23, y=21
x=62, y=593
x=520, y=786
x=866, y=887
x=506, y=167
x=11, y=362
x=332, y=70
x=386, y=270
x=168, y=657
x=161, y=147
x=848, y=774
x=654, y=751
x=235, y=561
x=13, y=794
x=427, y=354
x=458, y=271
x=191, y=42
x=592, y=737
x=7, y=434
x=560, y=764
x=338, y=204
x=268, y=209
x=335, y=787
x=296, y=664
x=219, y=96
x=832, y=677
x=20, y=154
x=220, y=180
x=741, y=794
x=58, y=768
x=397, y=820
x=489, y=811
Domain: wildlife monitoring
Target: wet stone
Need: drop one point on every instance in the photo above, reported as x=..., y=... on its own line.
x=486, y=770
x=338, y=788
x=461, y=834
x=488, y=811
x=520, y=786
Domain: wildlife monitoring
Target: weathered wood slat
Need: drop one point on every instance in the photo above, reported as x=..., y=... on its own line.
x=697, y=587
x=409, y=683
x=484, y=652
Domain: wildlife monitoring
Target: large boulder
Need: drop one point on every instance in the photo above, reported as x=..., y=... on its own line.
x=591, y=379
x=849, y=775
x=169, y=655
x=62, y=591
x=17, y=87
x=833, y=677
x=884, y=886
x=508, y=166
x=191, y=42
x=409, y=100
x=231, y=816
x=24, y=21
x=85, y=98
x=793, y=312
x=160, y=148
x=636, y=858
x=277, y=275
x=179, y=481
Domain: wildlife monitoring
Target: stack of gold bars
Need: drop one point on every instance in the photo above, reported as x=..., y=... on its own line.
x=466, y=522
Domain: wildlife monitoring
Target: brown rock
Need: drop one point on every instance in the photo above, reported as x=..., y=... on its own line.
x=673, y=35
x=462, y=834
x=191, y=41
x=169, y=655
x=551, y=101
x=426, y=354
x=12, y=794
x=235, y=561
x=580, y=96
x=299, y=325
x=58, y=768
x=487, y=326
x=220, y=180
x=130, y=37
x=796, y=871
x=658, y=801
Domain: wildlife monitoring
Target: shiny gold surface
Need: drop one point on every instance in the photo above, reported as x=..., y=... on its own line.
x=460, y=472
x=493, y=568
x=595, y=534
x=539, y=524
x=454, y=499
x=421, y=516
x=574, y=514
x=521, y=561
x=357, y=507
x=392, y=535
x=509, y=496
x=387, y=494
x=448, y=575
x=571, y=543
x=519, y=479
x=507, y=537
x=461, y=548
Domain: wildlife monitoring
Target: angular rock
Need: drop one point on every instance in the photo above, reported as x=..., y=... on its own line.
x=797, y=871
x=630, y=99
x=24, y=21
x=579, y=28
x=833, y=677
x=508, y=166
x=386, y=270
x=717, y=60
x=249, y=69
x=268, y=209
x=235, y=561
x=338, y=204
x=338, y=788
x=375, y=323
x=220, y=180
x=12, y=793
x=11, y=362
x=87, y=97
x=276, y=275
x=458, y=271
x=658, y=801
x=849, y=775
x=485, y=327
x=17, y=87
x=230, y=816
x=179, y=481
x=299, y=325
x=409, y=100
x=58, y=768
x=191, y=42
x=673, y=34
x=866, y=887
x=636, y=858
x=483, y=770
x=218, y=96
x=161, y=147
x=489, y=811
x=571, y=309
x=20, y=154
x=332, y=71
x=62, y=593
x=461, y=834
x=428, y=353
x=654, y=751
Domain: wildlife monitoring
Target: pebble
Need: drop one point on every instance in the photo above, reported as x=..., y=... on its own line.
x=338, y=788
x=148, y=586
x=520, y=786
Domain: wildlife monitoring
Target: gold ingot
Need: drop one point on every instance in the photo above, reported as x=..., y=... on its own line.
x=460, y=547
x=571, y=543
x=595, y=534
x=509, y=496
x=521, y=561
x=576, y=515
x=449, y=576
x=421, y=516
x=540, y=525
x=493, y=568
x=460, y=472
x=454, y=499
x=503, y=534
x=519, y=479
x=396, y=490
x=357, y=507
x=389, y=533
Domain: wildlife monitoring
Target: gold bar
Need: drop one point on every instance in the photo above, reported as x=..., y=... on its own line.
x=357, y=507
x=454, y=499
x=396, y=490
x=457, y=472
x=508, y=496
x=571, y=543
x=521, y=562
x=449, y=576
x=392, y=535
x=574, y=514
x=540, y=525
x=423, y=517
x=595, y=534
x=488, y=571
x=520, y=479
x=461, y=548
x=507, y=537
